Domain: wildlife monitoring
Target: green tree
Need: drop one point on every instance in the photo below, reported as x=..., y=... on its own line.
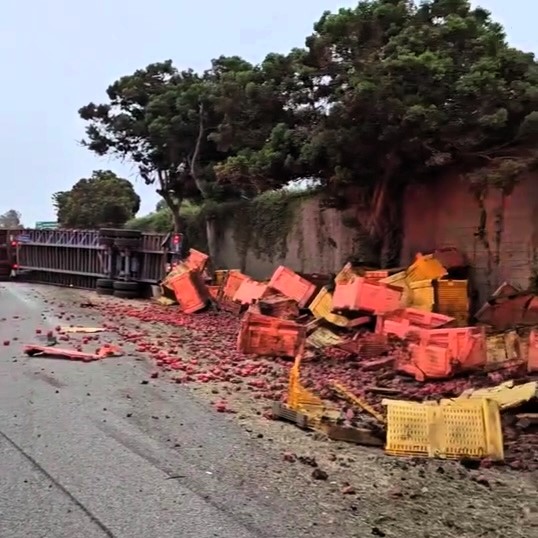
x=389, y=92
x=102, y=200
x=159, y=118
x=177, y=126
x=11, y=219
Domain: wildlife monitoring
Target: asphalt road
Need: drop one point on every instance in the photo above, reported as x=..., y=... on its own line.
x=89, y=450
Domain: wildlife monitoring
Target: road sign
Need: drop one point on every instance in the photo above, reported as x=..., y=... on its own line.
x=23, y=238
x=177, y=242
x=46, y=225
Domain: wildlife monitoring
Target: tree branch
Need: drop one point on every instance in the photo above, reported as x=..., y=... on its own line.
x=196, y=153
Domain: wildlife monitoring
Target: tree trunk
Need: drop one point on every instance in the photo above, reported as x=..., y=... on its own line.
x=392, y=233
x=385, y=218
x=212, y=241
x=176, y=219
x=173, y=202
x=174, y=206
x=201, y=185
x=198, y=181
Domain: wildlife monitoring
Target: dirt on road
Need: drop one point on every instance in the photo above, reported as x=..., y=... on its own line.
x=356, y=491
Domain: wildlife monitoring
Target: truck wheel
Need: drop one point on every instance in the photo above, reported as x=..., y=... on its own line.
x=120, y=285
x=104, y=283
x=5, y=271
x=104, y=291
x=123, y=294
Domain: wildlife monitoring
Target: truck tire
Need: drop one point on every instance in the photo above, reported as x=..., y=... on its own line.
x=123, y=294
x=5, y=270
x=104, y=283
x=104, y=291
x=120, y=285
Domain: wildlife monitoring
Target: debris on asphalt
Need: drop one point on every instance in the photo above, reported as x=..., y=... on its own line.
x=103, y=352
x=86, y=330
x=366, y=334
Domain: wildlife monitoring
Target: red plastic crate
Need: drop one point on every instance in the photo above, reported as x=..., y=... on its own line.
x=292, y=285
x=360, y=294
x=250, y=291
x=265, y=335
x=190, y=291
x=196, y=260
x=233, y=281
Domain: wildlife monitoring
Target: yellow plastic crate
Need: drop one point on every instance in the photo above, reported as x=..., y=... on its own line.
x=461, y=428
x=400, y=281
x=321, y=307
x=301, y=399
x=425, y=268
x=507, y=395
x=222, y=274
x=397, y=279
x=452, y=299
x=323, y=337
x=408, y=426
x=502, y=348
x=421, y=295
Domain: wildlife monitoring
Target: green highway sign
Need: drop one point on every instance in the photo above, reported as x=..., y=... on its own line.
x=45, y=225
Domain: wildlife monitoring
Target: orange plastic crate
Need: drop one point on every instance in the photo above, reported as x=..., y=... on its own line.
x=446, y=357
x=265, y=335
x=250, y=291
x=292, y=285
x=458, y=339
x=214, y=292
x=434, y=362
x=359, y=294
x=427, y=320
x=190, y=291
x=196, y=260
x=233, y=281
x=475, y=355
x=400, y=328
x=376, y=275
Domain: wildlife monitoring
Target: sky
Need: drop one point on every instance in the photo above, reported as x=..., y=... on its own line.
x=58, y=55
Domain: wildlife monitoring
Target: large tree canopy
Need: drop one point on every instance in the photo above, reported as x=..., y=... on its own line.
x=100, y=201
x=178, y=125
x=399, y=90
x=385, y=93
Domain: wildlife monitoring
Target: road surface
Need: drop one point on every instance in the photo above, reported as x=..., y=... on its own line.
x=104, y=450
x=92, y=450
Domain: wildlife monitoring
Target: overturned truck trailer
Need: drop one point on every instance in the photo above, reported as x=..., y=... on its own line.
x=92, y=258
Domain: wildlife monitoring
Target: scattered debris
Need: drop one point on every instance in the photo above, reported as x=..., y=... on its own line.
x=367, y=335
x=71, y=354
x=318, y=474
x=358, y=402
x=87, y=330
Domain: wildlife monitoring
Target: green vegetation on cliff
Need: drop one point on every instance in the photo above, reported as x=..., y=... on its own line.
x=260, y=225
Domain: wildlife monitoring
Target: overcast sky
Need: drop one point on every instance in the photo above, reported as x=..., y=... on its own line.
x=57, y=55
